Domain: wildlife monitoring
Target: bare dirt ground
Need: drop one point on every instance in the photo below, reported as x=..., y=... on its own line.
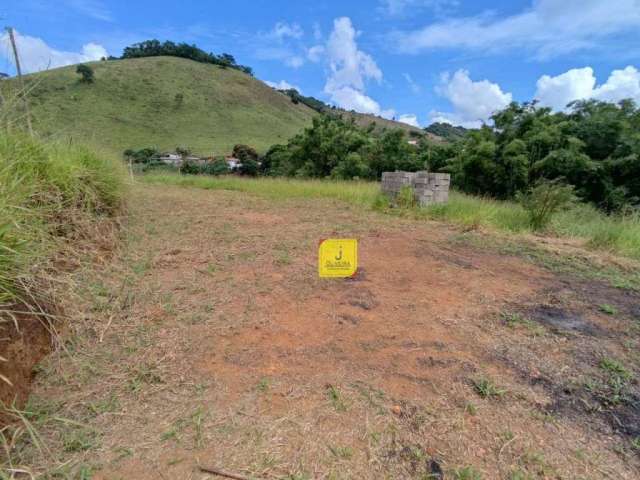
x=210, y=340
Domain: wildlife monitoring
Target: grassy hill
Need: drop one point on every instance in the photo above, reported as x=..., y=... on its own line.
x=163, y=102
x=166, y=102
x=365, y=119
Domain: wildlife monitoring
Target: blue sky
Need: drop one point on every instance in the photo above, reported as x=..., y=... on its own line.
x=415, y=60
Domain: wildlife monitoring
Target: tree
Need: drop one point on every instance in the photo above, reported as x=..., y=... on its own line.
x=86, y=72
x=594, y=147
x=352, y=167
x=183, y=151
x=248, y=159
x=154, y=48
x=244, y=152
x=144, y=155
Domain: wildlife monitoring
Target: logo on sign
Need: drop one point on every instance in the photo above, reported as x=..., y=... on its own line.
x=338, y=258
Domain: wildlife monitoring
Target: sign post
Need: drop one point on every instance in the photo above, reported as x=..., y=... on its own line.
x=338, y=258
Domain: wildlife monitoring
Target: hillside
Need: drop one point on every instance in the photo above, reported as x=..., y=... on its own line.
x=163, y=102
x=366, y=119
x=361, y=119
x=447, y=131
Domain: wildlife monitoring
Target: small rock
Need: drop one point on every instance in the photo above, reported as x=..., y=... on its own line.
x=435, y=470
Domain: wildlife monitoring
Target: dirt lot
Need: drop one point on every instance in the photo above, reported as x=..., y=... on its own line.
x=208, y=339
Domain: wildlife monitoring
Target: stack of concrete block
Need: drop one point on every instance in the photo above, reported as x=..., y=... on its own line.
x=428, y=187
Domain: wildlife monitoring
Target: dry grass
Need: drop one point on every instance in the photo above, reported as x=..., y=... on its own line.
x=197, y=345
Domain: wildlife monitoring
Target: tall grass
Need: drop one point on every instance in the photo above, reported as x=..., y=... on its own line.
x=358, y=193
x=46, y=192
x=619, y=234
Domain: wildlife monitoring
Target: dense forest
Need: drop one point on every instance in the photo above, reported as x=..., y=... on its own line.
x=337, y=148
x=594, y=146
x=154, y=48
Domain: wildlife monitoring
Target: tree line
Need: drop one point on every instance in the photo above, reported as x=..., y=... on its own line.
x=336, y=148
x=594, y=147
x=155, y=48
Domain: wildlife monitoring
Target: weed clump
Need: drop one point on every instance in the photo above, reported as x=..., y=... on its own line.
x=544, y=200
x=487, y=389
x=406, y=198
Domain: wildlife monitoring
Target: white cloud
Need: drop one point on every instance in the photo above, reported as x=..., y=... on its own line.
x=409, y=119
x=621, y=84
x=283, y=30
x=350, y=69
x=473, y=102
x=557, y=91
x=315, y=53
x=281, y=43
x=415, y=88
x=36, y=55
x=580, y=83
x=548, y=28
x=282, y=85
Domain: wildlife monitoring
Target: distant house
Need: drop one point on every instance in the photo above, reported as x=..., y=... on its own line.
x=233, y=163
x=413, y=142
x=171, y=159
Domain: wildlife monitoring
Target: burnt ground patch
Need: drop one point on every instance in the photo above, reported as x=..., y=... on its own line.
x=585, y=357
x=561, y=320
x=608, y=405
x=626, y=301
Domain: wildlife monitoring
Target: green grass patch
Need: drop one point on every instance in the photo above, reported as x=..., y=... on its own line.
x=608, y=309
x=573, y=264
x=486, y=388
x=619, y=234
x=47, y=193
x=163, y=102
x=357, y=193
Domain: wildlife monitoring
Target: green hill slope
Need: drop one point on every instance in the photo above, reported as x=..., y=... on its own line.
x=166, y=102
x=163, y=102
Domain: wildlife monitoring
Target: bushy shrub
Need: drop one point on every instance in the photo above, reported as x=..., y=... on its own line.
x=86, y=73
x=249, y=167
x=244, y=152
x=248, y=159
x=143, y=155
x=545, y=199
x=190, y=168
x=381, y=202
x=216, y=167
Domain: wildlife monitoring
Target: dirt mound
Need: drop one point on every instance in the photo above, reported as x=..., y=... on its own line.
x=25, y=341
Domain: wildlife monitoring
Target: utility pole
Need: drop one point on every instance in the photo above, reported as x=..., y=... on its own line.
x=20, y=79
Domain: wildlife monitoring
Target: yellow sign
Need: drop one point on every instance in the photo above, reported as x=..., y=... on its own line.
x=338, y=258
